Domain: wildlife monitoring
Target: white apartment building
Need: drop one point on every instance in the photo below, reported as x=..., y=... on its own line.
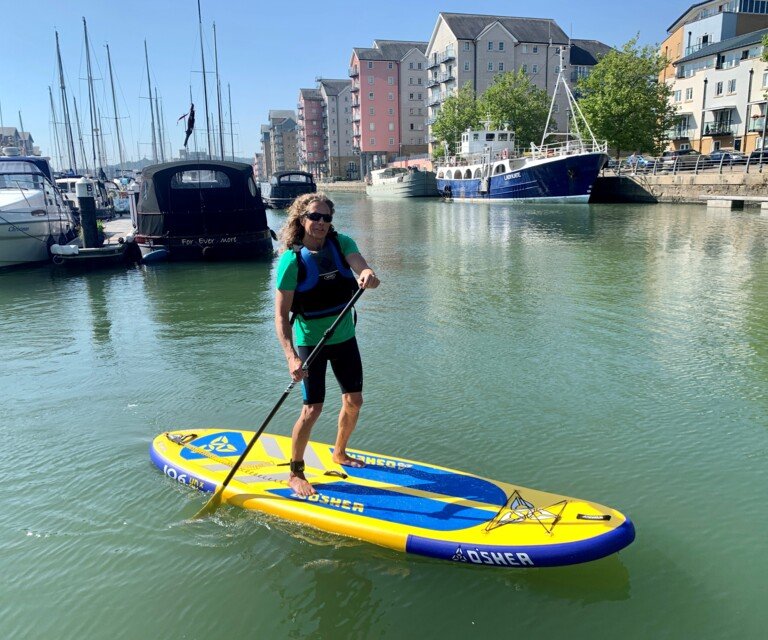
x=337, y=124
x=719, y=92
x=474, y=49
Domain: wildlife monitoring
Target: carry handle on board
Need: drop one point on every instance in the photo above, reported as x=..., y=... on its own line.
x=216, y=499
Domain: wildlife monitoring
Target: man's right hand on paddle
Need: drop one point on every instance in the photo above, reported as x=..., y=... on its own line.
x=295, y=367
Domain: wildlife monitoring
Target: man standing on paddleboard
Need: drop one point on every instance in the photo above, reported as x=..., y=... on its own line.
x=315, y=281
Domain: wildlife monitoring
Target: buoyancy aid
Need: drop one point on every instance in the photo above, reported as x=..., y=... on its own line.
x=321, y=295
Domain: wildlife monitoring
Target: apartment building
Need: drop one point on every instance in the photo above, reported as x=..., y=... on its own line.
x=259, y=168
x=710, y=22
x=719, y=91
x=12, y=137
x=311, y=134
x=475, y=48
x=281, y=144
x=337, y=125
x=266, y=152
x=389, y=89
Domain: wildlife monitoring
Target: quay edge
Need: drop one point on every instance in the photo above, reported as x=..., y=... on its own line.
x=680, y=188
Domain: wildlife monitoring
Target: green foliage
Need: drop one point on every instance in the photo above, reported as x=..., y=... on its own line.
x=513, y=100
x=458, y=113
x=624, y=101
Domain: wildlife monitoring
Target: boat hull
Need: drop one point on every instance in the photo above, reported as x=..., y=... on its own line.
x=568, y=179
x=248, y=246
x=28, y=241
x=416, y=184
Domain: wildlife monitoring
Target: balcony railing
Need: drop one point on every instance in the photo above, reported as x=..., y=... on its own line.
x=433, y=62
x=353, y=72
x=434, y=100
x=719, y=128
x=679, y=133
x=433, y=81
x=355, y=88
x=757, y=124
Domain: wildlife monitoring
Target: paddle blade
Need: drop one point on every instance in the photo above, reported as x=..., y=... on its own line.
x=212, y=504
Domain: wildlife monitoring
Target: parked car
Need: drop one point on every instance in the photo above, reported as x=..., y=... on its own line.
x=680, y=158
x=759, y=156
x=724, y=157
x=639, y=162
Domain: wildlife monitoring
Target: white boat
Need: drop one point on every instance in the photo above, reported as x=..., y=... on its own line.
x=104, y=205
x=33, y=214
x=401, y=182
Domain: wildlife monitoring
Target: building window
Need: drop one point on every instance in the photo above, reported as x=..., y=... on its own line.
x=689, y=93
x=373, y=142
x=535, y=49
x=370, y=95
x=391, y=111
x=420, y=98
x=525, y=68
x=370, y=79
x=678, y=95
x=466, y=46
x=411, y=111
x=389, y=65
x=501, y=45
x=535, y=69
x=719, y=89
x=410, y=65
x=732, y=86
x=490, y=66
x=371, y=111
x=410, y=96
x=412, y=127
x=390, y=80
x=372, y=126
x=501, y=66
x=390, y=96
x=490, y=46
x=391, y=126
x=418, y=66
x=466, y=66
x=525, y=48
x=419, y=81
x=370, y=64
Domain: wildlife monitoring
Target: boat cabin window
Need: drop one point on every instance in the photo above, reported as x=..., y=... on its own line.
x=477, y=173
x=503, y=137
x=457, y=174
x=468, y=174
x=489, y=137
x=200, y=179
x=295, y=177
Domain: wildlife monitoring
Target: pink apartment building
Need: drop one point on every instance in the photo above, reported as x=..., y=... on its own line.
x=389, y=99
x=311, y=139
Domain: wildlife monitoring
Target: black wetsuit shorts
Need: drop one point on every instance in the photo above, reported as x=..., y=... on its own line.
x=345, y=362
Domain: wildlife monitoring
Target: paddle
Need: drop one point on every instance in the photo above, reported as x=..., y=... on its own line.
x=217, y=498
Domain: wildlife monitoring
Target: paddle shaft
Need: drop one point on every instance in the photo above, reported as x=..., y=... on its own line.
x=318, y=348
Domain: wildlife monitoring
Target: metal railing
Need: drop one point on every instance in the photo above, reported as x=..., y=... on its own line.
x=724, y=162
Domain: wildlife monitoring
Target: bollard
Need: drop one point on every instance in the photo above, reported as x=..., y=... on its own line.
x=86, y=203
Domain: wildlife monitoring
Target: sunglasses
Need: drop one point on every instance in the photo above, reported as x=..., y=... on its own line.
x=316, y=217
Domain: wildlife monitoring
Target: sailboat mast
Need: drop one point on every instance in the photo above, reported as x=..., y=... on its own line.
x=151, y=107
x=114, y=109
x=205, y=82
x=160, y=143
x=218, y=91
x=91, y=101
x=55, y=130
x=231, y=130
x=80, y=136
x=65, y=112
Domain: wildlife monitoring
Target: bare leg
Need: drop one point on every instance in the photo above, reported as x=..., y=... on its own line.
x=299, y=439
x=350, y=411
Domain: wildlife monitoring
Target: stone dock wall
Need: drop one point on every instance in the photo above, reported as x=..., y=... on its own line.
x=683, y=187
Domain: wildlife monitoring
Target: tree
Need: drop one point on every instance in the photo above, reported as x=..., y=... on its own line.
x=625, y=103
x=458, y=113
x=513, y=100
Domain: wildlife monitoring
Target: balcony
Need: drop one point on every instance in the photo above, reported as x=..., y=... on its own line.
x=757, y=124
x=447, y=56
x=716, y=128
x=434, y=62
x=431, y=121
x=679, y=133
x=356, y=118
x=353, y=72
x=355, y=88
x=433, y=101
x=448, y=76
x=433, y=81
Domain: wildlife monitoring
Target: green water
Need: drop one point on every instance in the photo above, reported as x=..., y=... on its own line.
x=619, y=354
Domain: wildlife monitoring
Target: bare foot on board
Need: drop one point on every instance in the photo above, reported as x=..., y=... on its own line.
x=347, y=461
x=300, y=486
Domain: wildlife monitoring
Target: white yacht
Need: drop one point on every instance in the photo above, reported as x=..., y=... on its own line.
x=33, y=214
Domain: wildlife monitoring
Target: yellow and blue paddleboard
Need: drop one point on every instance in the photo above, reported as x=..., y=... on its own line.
x=397, y=503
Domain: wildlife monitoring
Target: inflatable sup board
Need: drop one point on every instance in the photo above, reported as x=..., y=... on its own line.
x=405, y=505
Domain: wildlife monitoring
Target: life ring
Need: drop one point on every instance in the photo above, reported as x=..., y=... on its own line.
x=504, y=154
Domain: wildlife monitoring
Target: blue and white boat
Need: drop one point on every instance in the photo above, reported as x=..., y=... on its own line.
x=489, y=167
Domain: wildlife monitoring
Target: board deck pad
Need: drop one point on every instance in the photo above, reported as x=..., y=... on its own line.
x=402, y=504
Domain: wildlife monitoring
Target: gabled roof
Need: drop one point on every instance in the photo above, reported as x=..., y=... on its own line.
x=310, y=94
x=587, y=53
x=685, y=14
x=334, y=87
x=9, y=131
x=467, y=26
x=281, y=114
x=739, y=42
x=389, y=50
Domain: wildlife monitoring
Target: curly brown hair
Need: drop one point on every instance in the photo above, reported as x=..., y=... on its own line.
x=292, y=232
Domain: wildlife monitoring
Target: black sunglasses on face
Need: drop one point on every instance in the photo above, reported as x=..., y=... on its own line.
x=316, y=217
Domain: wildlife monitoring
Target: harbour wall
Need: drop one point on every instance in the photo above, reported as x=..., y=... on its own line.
x=678, y=188
x=345, y=185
